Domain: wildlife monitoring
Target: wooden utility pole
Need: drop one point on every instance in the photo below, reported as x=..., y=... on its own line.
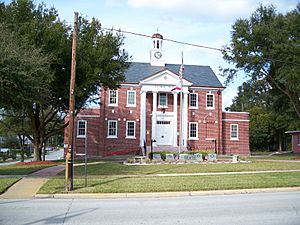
x=70, y=152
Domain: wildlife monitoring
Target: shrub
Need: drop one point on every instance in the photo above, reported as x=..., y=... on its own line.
x=13, y=154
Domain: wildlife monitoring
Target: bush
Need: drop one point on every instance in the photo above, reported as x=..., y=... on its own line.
x=13, y=154
x=162, y=155
x=3, y=156
x=28, y=153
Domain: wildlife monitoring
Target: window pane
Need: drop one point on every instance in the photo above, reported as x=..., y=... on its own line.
x=112, y=97
x=163, y=99
x=81, y=128
x=234, y=131
x=210, y=101
x=131, y=98
x=130, y=129
x=193, y=130
x=112, y=128
x=193, y=100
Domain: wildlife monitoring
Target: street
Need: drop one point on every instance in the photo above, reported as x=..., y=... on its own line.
x=259, y=209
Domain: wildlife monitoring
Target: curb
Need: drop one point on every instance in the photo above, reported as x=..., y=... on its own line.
x=163, y=194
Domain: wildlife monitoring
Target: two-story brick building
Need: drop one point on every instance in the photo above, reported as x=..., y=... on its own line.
x=147, y=108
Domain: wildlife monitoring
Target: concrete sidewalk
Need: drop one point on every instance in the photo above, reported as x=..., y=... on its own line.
x=28, y=186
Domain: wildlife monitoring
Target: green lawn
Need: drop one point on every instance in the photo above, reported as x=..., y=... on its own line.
x=109, y=168
x=109, y=177
x=106, y=184
x=20, y=169
x=7, y=182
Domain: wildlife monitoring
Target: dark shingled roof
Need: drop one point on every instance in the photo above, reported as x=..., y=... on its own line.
x=198, y=75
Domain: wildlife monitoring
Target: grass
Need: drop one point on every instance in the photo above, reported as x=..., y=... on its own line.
x=109, y=168
x=104, y=184
x=19, y=169
x=5, y=183
x=286, y=156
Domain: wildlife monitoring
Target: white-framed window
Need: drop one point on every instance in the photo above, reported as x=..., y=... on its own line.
x=162, y=100
x=112, y=128
x=113, y=98
x=131, y=98
x=210, y=103
x=193, y=131
x=193, y=100
x=130, y=129
x=234, y=132
x=81, y=128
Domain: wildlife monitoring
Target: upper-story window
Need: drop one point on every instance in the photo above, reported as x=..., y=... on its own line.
x=193, y=100
x=113, y=98
x=234, y=132
x=162, y=100
x=81, y=128
x=131, y=98
x=210, y=101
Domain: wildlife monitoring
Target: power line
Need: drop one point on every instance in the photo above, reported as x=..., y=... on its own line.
x=165, y=39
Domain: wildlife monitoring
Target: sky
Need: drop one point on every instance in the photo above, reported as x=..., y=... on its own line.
x=202, y=22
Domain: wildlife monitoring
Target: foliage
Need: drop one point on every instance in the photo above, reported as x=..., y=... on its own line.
x=271, y=114
x=38, y=88
x=267, y=48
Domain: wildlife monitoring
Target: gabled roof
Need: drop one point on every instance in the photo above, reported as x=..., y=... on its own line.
x=198, y=75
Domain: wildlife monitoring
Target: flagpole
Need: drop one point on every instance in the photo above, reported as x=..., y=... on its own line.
x=181, y=105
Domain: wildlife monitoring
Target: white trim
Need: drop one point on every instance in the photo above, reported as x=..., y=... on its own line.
x=162, y=106
x=131, y=105
x=113, y=104
x=88, y=116
x=206, y=88
x=85, y=123
x=235, y=120
x=129, y=85
x=237, y=132
x=236, y=112
x=112, y=136
x=193, y=138
x=213, y=107
x=193, y=107
x=134, y=136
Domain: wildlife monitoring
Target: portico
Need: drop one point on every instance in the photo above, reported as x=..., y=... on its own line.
x=165, y=116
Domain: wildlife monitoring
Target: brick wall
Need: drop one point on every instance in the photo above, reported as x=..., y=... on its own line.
x=295, y=142
x=240, y=146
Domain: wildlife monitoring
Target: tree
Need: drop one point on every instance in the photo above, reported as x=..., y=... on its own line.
x=267, y=47
x=100, y=61
x=271, y=114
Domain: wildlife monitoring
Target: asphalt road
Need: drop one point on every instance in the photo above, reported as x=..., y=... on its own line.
x=244, y=209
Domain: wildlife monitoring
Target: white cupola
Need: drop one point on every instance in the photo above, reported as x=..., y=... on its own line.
x=157, y=53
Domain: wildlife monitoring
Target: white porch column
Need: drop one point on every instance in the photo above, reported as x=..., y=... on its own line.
x=175, y=119
x=143, y=118
x=154, y=103
x=185, y=119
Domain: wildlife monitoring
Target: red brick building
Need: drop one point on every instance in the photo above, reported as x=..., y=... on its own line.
x=146, y=109
x=295, y=140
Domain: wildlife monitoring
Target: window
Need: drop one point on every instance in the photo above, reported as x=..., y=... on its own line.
x=162, y=100
x=298, y=140
x=234, y=133
x=193, y=131
x=81, y=128
x=130, y=98
x=130, y=129
x=113, y=98
x=193, y=100
x=112, y=129
x=210, y=101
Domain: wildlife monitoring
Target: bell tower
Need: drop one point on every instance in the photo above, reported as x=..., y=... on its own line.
x=157, y=54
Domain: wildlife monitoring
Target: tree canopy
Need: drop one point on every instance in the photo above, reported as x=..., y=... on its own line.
x=267, y=48
x=39, y=84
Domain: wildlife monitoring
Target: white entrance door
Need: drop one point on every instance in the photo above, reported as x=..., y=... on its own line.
x=164, y=132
